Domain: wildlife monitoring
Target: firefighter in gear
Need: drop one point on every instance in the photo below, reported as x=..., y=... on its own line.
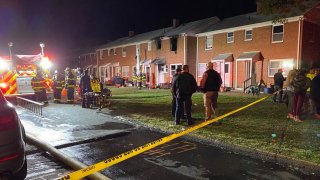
x=70, y=85
x=143, y=79
x=57, y=86
x=38, y=85
x=95, y=84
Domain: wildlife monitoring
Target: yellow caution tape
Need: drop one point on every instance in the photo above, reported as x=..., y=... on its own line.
x=126, y=155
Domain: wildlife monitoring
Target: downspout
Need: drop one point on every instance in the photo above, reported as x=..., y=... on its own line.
x=300, y=31
x=184, y=44
x=197, y=56
x=98, y=69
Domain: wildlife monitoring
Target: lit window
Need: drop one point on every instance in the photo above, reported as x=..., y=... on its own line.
x=125, y=71
x=230, y=37
x=277, y=33
x=285, y=64
x=209, y=41
x=201, y=69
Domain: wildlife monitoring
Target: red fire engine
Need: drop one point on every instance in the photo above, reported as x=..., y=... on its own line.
x=16, y=74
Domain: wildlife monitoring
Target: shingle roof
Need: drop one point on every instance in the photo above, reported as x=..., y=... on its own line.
x=189, y=28
x=254, y=17
x=192, y=28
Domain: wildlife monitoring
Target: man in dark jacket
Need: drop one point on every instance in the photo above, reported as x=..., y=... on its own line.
x=174, y=101
x=315, y=92
x=183, y=88
x=278, y=85
x=210, y=86
x=85, y=86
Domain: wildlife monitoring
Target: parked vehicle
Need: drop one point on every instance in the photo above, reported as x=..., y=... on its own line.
x=13, y=163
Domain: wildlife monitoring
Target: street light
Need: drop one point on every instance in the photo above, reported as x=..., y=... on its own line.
x=42, y=45
x=10, y=44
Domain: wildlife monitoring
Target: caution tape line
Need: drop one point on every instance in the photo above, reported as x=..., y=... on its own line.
x=126, y=155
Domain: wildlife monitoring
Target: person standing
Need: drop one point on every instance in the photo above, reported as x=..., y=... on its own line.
x=85, y=86
x=70, y=85
x=278, y=85
x=310, y=106
x=57, y=85
x=183, y=88
x=290, y=92
x=300, y=85
x=38, y=85
x=174, y=102
x=210, y=86
x=314, y=92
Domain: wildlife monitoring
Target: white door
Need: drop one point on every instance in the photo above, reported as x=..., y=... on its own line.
x=218, y=66
x=226, y=76
x=162, y=72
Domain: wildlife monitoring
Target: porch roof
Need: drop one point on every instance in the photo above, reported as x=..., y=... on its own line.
x=159, y=61
x=145, y=62
x=254, y=55
x=224, y=57
x=105, y=64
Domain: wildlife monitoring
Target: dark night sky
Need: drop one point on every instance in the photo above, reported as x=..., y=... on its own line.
x=64, y=25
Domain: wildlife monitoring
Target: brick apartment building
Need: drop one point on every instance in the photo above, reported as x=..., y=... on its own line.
x=245, y=48
x=248, y=48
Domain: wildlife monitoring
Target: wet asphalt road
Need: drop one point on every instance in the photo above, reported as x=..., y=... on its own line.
x=179, y=159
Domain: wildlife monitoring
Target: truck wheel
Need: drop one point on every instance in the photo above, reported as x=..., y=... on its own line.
x=22, y=173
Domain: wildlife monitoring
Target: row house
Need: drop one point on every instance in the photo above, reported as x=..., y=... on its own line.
x=87, y=60
x=245, y=49
x=249, y=48
x=157, y=53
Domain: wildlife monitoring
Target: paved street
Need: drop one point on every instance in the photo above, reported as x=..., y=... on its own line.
x=72, y=127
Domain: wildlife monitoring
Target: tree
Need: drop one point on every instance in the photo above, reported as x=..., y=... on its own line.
x=281, y=9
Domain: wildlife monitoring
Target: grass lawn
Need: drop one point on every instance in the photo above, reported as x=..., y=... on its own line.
x=263, y=126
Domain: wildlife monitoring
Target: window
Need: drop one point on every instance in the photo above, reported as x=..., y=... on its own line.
x=230, y=37
x=158, y=42
x=277, y=33
x=124, y=52
x=125, y=71
x=248, y=35
x=209, y=41
x=164, y=68
x=173, y=68
x=285, y=64
x=173, y=44
x=109, y=52
x=117, y=69
x=226, y=68
x=149, y=46
x=114, y=51
x=102, y=53
x=201, y=69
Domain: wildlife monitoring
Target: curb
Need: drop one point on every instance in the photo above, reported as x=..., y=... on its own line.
x=74, y=164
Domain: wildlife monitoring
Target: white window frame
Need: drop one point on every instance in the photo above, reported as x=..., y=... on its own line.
x=246, y=35
x=201, y=69
x=117, y=70
x=171, y=69
x=108, y=52
x=114, y=51
x=230, y=39
x=287, y=64
x=273, y=34
x=209, y=42
x=164, y=68
x=125, y=71
x=149, y=46
x=101, y=54
x=124, y=52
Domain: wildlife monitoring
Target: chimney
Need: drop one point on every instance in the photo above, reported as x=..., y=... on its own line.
x=175, y=23
x=131, y=33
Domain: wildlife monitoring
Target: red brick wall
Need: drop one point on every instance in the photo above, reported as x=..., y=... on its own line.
x=262, y=41
x=192, y=54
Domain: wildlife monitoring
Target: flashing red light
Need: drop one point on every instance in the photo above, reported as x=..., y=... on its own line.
x=3, y=85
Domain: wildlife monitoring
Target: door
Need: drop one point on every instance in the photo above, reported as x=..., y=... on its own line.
x=218, y=66
x=226, y=76
x=162, y=72
x=148, y=72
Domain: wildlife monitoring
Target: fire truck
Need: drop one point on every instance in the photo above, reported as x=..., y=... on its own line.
x=16, y=73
